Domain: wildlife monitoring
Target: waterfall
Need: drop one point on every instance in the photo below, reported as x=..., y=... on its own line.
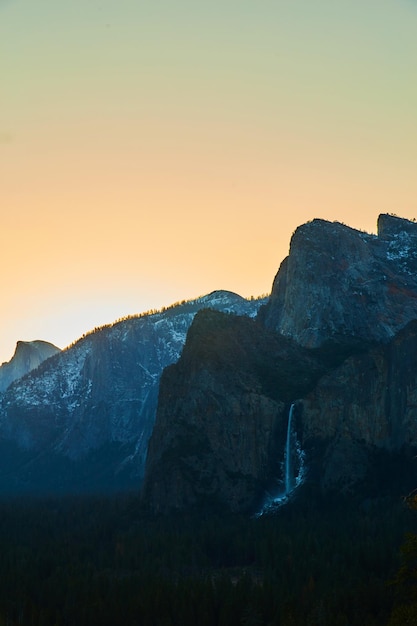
x=289, y=452
x=293, y=469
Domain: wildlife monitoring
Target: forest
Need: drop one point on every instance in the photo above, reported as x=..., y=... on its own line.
x=104, y=560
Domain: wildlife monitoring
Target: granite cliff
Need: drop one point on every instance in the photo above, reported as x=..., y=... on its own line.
x=222, y=414
x=366, y=406
x=341, y=284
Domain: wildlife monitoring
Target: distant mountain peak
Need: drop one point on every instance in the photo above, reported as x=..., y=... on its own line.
x=27, y=356
x=37, y=344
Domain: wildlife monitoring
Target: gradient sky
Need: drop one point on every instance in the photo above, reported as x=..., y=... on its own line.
x=157, y=150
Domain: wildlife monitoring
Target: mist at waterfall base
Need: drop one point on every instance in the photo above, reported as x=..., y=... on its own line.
x=293, y=467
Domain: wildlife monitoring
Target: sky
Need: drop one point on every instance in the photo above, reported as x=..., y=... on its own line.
x=158, y=150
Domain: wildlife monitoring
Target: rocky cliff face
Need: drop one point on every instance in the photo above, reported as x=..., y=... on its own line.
x=82, y=420
x=27, y=357
x=222, y=415
x=368, y=403
x=339, y=283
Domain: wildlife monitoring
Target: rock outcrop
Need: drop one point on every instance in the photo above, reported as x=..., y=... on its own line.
x=339, y=283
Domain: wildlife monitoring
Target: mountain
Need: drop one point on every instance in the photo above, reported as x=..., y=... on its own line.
x=339, y=283
x=28, y=356
x=82, y=420
x=225, y=432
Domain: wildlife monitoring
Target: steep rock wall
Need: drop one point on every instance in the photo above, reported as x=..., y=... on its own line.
x=222, y=415
x=338, y=283
x=367, y=403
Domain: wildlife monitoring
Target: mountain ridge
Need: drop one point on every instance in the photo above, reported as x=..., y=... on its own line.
x=99, y=394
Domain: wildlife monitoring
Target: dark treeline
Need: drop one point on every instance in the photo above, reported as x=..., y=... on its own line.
x=104, y=561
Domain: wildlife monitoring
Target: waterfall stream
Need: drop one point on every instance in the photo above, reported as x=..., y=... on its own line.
x=289, y=471
x=293, y=468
